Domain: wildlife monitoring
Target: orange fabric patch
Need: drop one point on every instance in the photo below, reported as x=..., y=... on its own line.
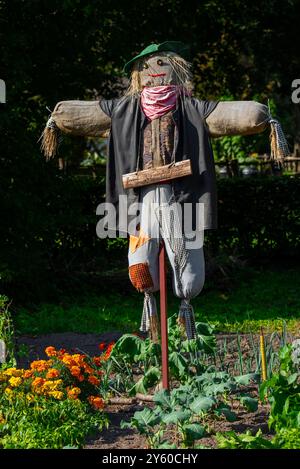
x=140, y=276
x=136, y=242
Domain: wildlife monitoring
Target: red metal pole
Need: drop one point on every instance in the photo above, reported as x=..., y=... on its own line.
x=163, y=316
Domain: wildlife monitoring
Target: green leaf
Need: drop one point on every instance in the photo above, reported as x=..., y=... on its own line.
x=202, y=404
x=194, y=431
x=245, y=380
x=220, y=388
x=141, y=420
x=227, y=412
x=178, y=364
x=203, y=328
x=176, y=416
x=250, y=403
x=292, y=378
x=147, y=381
x=128, y=344
x=162, y=398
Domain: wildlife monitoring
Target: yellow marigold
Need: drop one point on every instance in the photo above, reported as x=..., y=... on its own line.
x=50, y=352
x=56, y=394
x=13, y=372
x=8, y=391
x=3, y=377
x=52, y=373
x=93, y=380
x=29, y=397
x=15, y=382
x=73, y=393
x=52, y=384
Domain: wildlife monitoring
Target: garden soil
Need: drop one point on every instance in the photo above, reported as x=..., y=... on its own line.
x=114, y=436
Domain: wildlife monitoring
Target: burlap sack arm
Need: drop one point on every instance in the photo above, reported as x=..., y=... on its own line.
x=246, y=118
x=83, y=118
x=238, y=118
x=78, y=118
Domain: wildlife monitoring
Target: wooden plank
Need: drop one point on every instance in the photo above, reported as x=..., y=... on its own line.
x=158, y=174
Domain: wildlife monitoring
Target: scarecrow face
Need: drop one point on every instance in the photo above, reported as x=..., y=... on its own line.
x=157, y=70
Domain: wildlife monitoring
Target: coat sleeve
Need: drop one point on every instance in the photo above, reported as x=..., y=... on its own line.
x=205, y=108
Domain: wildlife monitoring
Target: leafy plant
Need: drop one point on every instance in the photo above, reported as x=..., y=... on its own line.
x=7, y=331
x=282, y=391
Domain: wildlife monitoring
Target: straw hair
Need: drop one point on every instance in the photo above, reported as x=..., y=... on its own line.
x=50, y=139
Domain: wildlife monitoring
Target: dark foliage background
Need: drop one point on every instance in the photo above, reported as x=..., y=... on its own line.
x=73, y=49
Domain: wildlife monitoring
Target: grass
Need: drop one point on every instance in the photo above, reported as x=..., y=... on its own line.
x=256, y=298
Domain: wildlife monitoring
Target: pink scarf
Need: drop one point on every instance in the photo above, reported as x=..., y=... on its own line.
x=158, y=100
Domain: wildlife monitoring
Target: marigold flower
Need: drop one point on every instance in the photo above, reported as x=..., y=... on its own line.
x=73, y=393
x=8, y=391
x=109, y=350
x=80, y=378
x=3, y=377
x=27, y=374
x=102, y=346
x=56, y=394
x=68, y=360
x=37, y=382
x=75, y=370
x=50, y=352
x=13, y=372
x=40, y=365
x=15, y=382
x=96, y=402
x=52, y=384
x=97, y=361
x=52, y=373
x=29, y=397
x=87, y=368
x=93, y=380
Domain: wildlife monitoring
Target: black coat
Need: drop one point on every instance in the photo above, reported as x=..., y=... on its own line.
x=125, y=150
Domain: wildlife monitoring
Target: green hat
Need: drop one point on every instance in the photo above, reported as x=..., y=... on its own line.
x=169, y=46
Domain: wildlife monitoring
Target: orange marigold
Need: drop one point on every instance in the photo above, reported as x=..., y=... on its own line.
x=52, y=373
x=75, y=370
x=108, y=351
x=73, y=393
x=102, y=346
x=97, y=361
x=50, y=352
x=27, y=374
x=37, y=382
x=87, y=368
x=96, y=402
x=93, y=380
x=40, y=365
x=68, y=360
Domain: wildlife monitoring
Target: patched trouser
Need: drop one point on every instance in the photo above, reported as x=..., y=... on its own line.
x=160, y=220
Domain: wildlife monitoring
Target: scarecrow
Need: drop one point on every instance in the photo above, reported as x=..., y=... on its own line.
x=160, y=156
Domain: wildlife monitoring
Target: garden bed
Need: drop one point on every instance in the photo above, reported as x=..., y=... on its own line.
x=228, y=346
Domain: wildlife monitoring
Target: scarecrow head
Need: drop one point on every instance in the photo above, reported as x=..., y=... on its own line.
x=159, y=65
